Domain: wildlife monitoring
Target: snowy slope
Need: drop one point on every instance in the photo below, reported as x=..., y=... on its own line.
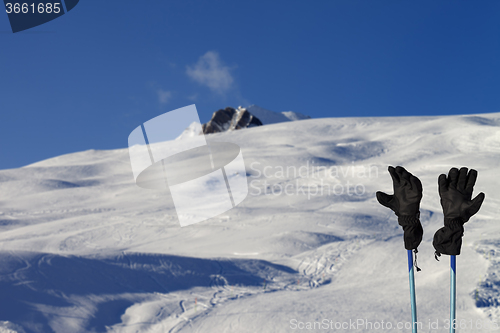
x=192, y=130
x=83, y=249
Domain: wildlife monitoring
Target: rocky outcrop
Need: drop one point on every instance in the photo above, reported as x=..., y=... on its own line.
x=230, y=119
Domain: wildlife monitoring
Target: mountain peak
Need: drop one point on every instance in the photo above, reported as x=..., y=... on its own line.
x=230, y=119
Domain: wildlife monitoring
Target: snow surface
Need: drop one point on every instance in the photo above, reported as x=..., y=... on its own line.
x=192, y=130
x=83, y=249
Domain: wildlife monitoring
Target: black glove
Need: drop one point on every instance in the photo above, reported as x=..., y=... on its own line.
x=456, y=193
x=406, y=204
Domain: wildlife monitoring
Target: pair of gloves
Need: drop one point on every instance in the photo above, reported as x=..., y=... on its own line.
x=455, y=191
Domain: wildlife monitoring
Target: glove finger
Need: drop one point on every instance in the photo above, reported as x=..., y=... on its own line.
x=471, y=181
x=394, y=175
x=475, y=204
x=404, y=177
x=453, y=177
x=416, y=184
x=462, y=179
x=406, y=174
x=385, y=199
x=442, y=183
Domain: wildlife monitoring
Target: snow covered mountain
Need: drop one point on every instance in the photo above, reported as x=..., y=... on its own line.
x=230, y=119
x=192, y=130
x=270, y=117
x=83, y=249
x=293, y=116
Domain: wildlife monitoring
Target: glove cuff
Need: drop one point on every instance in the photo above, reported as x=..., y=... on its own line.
x=412, y=229
x=448, y=240
x=454, y=223
x=408, y=219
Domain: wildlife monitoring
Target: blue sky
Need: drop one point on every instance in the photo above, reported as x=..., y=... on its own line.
x=87, y=79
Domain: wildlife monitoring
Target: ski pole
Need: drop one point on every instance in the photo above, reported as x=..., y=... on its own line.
x=405, y=203
x=412, y=292
x=455, y=191
x=453, y=291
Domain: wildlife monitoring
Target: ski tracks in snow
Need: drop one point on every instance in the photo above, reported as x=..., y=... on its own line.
x=319, y=266
x=314, y=269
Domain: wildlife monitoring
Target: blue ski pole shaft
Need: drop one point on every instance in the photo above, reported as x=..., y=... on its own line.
x=412, y=293
x=453, y=291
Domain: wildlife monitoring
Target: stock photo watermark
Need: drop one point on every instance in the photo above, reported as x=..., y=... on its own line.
x=310, y=180
x=365, y=324
x=203, y=180
x=26, y=14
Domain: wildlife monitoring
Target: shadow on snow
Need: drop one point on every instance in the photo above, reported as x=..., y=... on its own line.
x=35, y=286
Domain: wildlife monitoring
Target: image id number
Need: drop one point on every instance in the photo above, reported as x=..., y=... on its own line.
x=25, y=8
